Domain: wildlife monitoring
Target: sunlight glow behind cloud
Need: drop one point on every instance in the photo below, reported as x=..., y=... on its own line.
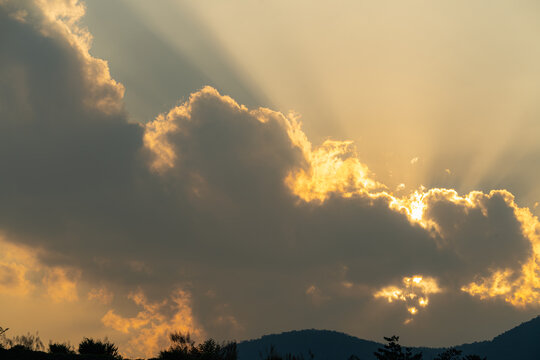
x=333, y=169
x=414, y=292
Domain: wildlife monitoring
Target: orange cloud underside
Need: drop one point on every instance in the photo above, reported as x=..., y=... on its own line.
x=149, y=328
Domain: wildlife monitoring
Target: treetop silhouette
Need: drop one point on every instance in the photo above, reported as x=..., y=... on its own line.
x=394, y=351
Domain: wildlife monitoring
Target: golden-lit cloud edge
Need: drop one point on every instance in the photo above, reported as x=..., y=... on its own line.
x=61, y=19
x=333, y=169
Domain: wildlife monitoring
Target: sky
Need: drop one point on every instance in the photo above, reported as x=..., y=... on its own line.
x=239, y=168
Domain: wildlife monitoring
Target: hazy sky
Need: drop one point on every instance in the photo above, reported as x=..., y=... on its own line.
x=236, y=168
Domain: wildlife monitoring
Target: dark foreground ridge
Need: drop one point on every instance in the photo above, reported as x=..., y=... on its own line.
x=521, y=342
x=324, y=344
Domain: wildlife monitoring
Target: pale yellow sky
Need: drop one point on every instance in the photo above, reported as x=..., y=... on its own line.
x=452, y=83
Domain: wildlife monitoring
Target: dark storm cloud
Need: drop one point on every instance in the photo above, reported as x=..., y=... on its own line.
x=61, y=156
x=482, y=237
x=198, y=199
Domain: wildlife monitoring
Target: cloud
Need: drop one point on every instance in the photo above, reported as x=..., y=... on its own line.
x=15, y=263
x=22, y=274
x=12, y=279
x=60, y=287
x=102, y=295
x=234, y=206
x=341, y=216
x=150, y=328
x=414, y=292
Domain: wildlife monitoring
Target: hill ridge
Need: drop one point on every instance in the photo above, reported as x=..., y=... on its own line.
x=520, y=342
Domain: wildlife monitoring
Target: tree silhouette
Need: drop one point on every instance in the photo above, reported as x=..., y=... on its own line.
x=184, y=348
x=29, y=342
x=394, y=351
x=474, y=357
x=98, y=347
x=454, y=354
x=450, y=354
x=60, y=348
x=3, y=339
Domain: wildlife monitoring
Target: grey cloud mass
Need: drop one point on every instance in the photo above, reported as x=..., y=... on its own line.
x=198, y=200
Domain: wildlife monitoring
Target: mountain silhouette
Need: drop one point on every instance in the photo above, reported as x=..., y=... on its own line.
x=325, y=344
x=521, y=342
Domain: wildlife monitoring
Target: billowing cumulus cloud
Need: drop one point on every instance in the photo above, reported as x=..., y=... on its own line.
x=226, y=221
